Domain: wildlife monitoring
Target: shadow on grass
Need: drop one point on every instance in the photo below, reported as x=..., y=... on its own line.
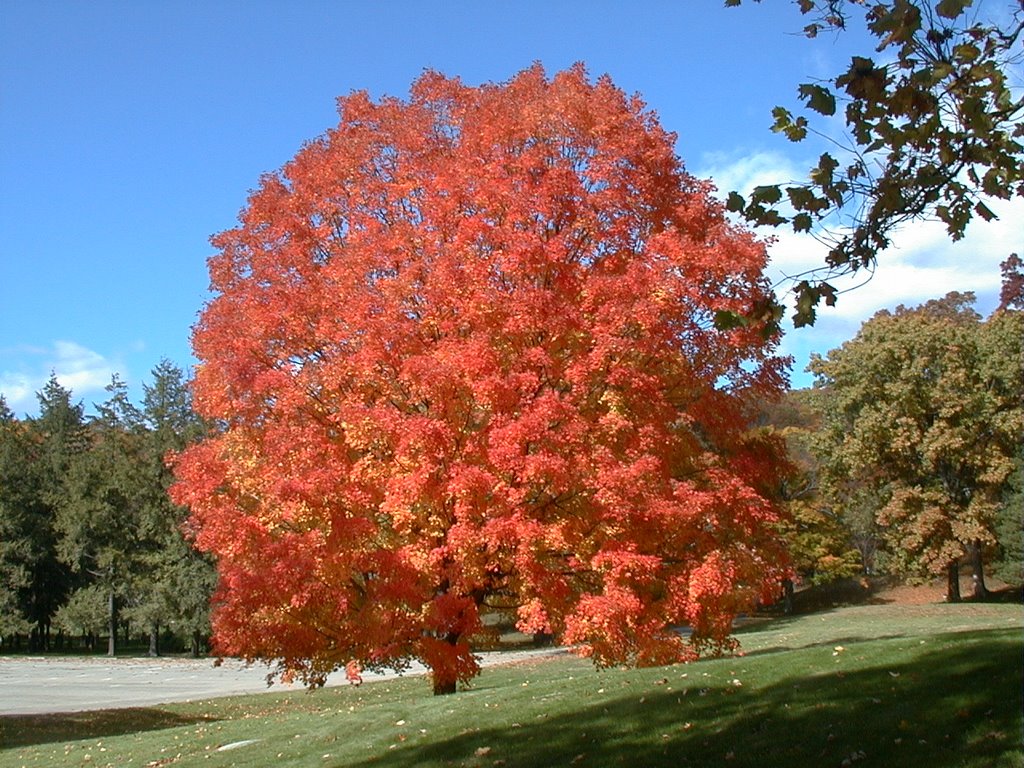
x=28, y=730
x=850, y=640
x=959, y=704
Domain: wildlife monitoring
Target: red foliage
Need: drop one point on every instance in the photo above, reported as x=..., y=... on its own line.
x=463, y=348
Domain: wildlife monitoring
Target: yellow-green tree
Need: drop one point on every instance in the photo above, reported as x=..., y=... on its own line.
x=923, y=408
x=821, y=542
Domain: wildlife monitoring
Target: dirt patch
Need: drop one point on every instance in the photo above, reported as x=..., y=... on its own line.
x=906, y=594
x=888, y=591
x=935, y=592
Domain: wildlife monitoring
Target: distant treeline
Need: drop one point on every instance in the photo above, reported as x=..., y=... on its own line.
x=91, y=547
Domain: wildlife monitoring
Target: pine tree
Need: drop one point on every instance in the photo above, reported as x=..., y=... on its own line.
x=56, y=438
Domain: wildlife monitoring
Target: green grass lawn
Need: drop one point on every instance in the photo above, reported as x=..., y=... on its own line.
x=931, y=686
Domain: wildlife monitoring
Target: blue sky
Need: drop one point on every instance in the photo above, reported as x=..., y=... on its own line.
x=132, y=131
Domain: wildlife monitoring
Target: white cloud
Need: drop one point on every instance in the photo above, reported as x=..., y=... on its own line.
x=922, y=263
x=83, y=371
x=79, y=368
x=17, y=389
x=744, y=172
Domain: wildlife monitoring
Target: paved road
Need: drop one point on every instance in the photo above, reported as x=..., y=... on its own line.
x=37, y=685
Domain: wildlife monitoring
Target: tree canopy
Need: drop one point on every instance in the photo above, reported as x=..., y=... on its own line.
x=923, y=411
x=934, y=124
x=480, y=371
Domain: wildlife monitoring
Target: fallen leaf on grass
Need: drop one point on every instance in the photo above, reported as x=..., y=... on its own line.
x=853, y=757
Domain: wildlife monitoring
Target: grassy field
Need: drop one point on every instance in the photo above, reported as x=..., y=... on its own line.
x=883, y=685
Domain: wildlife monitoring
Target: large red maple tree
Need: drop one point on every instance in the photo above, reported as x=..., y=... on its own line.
x=462, y=348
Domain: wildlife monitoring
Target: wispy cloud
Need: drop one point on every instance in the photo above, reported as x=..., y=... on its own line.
x=26, y=369
x=742, y=172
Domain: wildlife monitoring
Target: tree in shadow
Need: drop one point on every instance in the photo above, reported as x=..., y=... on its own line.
x=28, y=730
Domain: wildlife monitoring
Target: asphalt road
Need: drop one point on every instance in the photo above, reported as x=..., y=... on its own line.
x=38, y=685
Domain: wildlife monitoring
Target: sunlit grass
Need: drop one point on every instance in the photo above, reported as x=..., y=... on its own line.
x=927, y=686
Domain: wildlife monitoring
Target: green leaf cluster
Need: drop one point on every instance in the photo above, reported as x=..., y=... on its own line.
x=935, y=128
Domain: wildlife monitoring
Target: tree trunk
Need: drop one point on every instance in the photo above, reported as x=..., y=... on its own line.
x=787, y=596
x=195, y=643
x=953, y=583
x=442, y=684
x=154, y=639
x=112, y=624
x=978, y=571
x=443, y=687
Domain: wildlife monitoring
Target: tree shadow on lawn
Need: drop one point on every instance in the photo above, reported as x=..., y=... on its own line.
x=29, y=730
x=843, y=641
x=957, y=705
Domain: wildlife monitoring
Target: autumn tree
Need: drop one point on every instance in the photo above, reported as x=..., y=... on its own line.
x=1011, y=295
x=462, y=351
x=924, y=408
x=934, y=128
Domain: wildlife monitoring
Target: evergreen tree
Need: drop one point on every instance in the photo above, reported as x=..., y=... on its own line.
x=53, y=441
x=15, y=498
x=99, y=521
x=182, y=579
